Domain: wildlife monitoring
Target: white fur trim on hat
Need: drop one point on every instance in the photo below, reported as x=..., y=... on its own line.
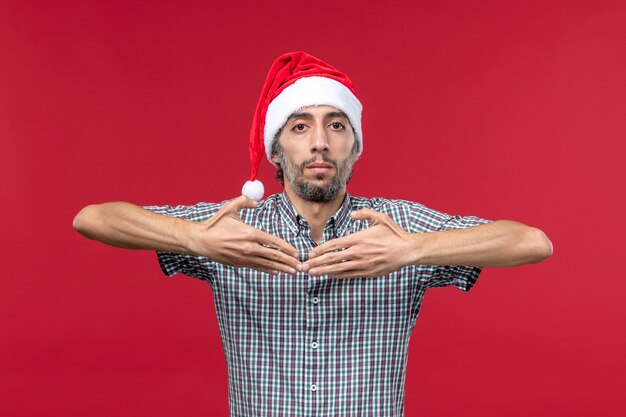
x=311, y=91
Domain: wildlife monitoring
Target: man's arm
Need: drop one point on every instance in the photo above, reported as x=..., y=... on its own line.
x=223, y=238
x=496, y=244
x=386, y=247
x=126, y=225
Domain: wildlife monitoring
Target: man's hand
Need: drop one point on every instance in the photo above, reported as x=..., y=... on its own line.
x=226, y=239
x=382, y=248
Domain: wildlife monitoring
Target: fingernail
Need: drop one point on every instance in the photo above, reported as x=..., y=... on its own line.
x=313, y=271
x=274, y=272
x=311, y=255
x=292, y=271
x=305, y=267
x=296, y=254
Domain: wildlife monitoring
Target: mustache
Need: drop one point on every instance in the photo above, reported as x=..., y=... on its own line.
x=325, y=159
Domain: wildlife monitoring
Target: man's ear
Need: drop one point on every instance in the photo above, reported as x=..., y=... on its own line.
x=275, y=159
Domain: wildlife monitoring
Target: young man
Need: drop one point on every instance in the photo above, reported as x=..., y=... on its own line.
x=316, y=291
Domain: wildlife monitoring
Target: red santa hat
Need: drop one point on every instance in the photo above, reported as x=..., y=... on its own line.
x=296, y=80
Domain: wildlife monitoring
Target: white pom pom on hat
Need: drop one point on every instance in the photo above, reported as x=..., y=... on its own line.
x=253, y=190
x=296, y=80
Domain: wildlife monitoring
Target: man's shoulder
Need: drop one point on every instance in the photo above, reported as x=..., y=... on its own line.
x=382, y=203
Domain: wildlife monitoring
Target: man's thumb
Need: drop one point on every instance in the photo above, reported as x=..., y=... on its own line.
x=242, y=202
x=364, y=214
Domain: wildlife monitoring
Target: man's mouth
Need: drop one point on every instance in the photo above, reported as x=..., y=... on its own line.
x=319, y=167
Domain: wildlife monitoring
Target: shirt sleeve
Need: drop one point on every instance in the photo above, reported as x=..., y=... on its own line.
x=193, y=266
x=424, y=220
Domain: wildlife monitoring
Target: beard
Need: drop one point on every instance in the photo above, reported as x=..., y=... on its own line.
x=294, y=174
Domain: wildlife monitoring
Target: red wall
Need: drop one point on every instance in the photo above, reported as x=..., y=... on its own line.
x=504, y=110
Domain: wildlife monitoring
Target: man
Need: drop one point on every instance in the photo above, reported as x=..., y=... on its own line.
x=316, y=291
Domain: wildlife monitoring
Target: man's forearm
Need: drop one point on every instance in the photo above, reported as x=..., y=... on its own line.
x=129, y=226
x=496, y=244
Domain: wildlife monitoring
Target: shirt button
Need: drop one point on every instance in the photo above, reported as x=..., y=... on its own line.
x=315, y=300
x=313, y=387
x=314, y=345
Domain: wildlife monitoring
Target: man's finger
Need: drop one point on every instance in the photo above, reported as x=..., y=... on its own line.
x=259, y=267
x=333, y=269
x=365, y=214
x=327, y=259
x=276, y=243
x=269, y=266
x=277, y=257
x=335, y=244
x=236, y=204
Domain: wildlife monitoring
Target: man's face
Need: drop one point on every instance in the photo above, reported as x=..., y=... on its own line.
x=316, y=153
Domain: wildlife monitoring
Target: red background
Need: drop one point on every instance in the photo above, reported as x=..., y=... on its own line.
x=504, y=110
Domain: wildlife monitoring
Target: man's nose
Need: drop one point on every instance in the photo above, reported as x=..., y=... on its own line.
x=319, y=141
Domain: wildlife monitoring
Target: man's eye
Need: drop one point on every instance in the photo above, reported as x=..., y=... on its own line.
x=299, y=127
x=337, y=126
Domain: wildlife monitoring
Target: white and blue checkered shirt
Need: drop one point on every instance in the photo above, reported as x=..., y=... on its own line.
x=313, y=346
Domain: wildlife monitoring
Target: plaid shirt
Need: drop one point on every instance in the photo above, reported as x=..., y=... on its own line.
x=311, y=345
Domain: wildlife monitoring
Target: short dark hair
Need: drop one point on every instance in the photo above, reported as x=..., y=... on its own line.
x=276, y=149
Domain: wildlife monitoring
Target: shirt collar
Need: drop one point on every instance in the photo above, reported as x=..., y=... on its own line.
x=341, y=217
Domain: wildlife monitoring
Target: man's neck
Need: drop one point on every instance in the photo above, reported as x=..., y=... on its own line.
x=316, y=214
